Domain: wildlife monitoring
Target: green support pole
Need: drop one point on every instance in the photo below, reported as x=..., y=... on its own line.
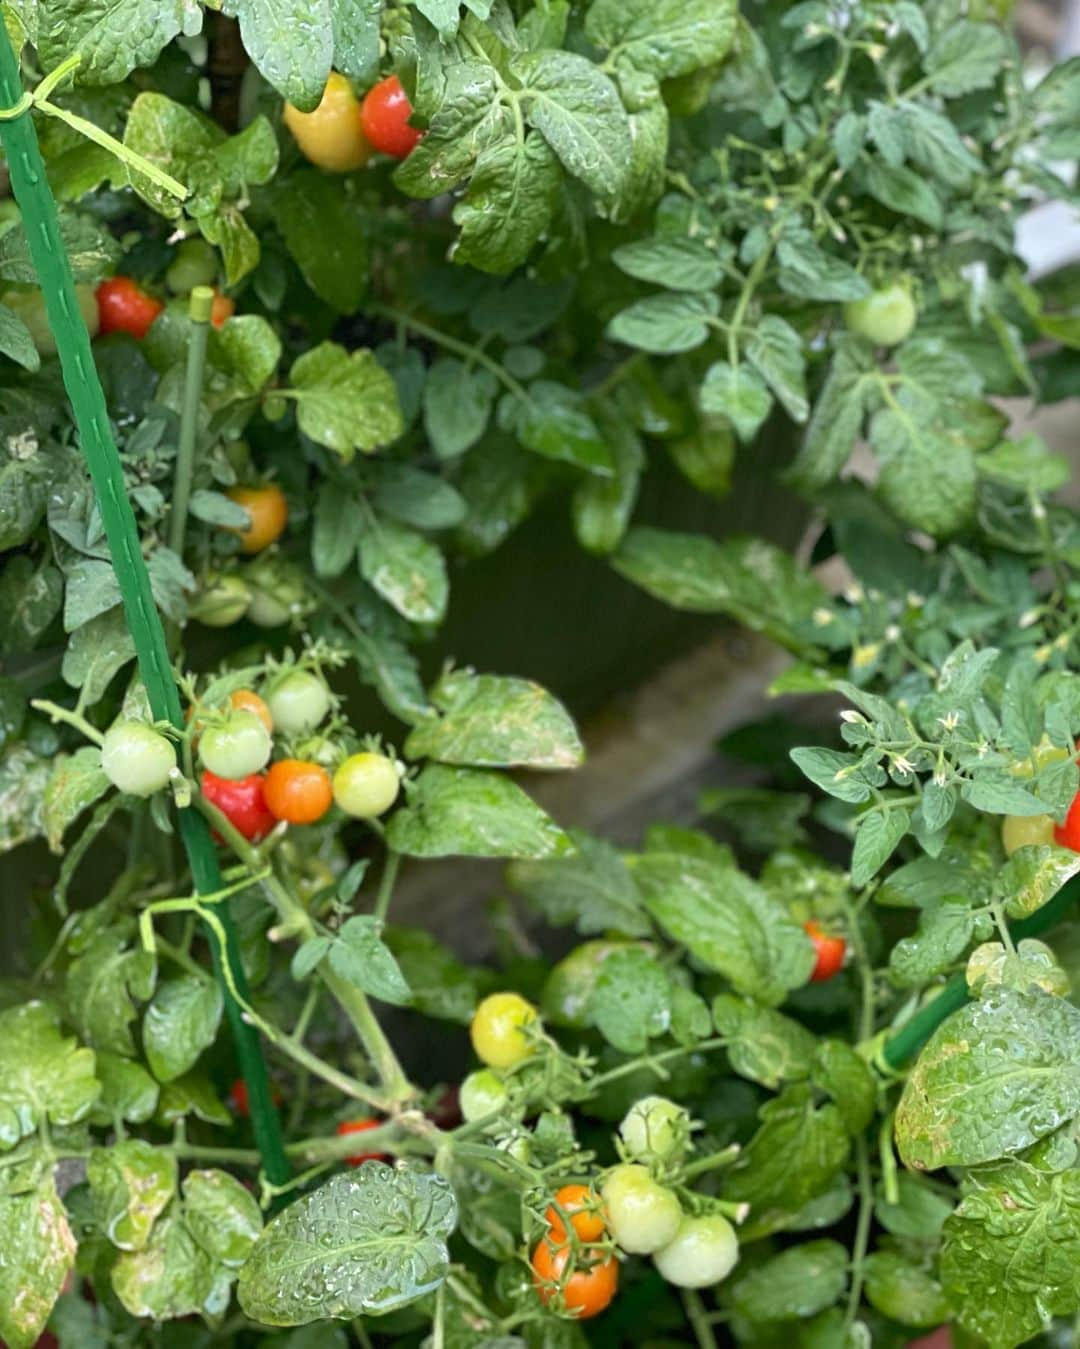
x=35, y=200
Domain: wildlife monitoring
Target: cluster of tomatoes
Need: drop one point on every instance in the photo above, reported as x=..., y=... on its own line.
x=628, y=1208
x=343, y=132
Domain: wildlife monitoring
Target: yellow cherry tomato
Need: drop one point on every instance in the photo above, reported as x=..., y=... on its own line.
x=496, y=1030
x=1024, y=831
x=331, y=137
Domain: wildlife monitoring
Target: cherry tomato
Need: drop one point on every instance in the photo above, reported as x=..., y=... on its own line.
x=136, y=758
x=496, y=1030
x=366, y=785
x=580, y=1205
x=655, y=1129
x=384, y=118
x=359, y=1126
x=298, y=792
x=238, y=1098
x=1067, y=835
x=278, y=592
x=482, y=1093
x=830, y=952
x=298, y=702
x=242, y=803
x=222, y=602
x=124, y=307
x=268, y=511
x=195, y=264
x=445, y=1110
x=589, y=1289
x=642, y=1215
x=29, y=303
x=245, y=700
x=703, y=1251
x=1025, y=831
x=222, y=307
x=236, y=747
x=332, y=136
x=886, y=316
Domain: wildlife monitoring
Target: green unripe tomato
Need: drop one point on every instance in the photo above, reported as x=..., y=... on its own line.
x=237, y=747
x=518, y=1146
x=885, y=316
x=568, y=988
x=655, y=1129
x=481, y=1094
x=1026, y=831
x=29, y=304
x=366, y=785
x=642, y=1215
x=298, y=702
x=195, y=264
x=278, y=593
x=223, y=601
x=702, y=1252
x=136, y=758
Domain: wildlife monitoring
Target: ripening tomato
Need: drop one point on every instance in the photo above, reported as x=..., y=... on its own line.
x=642, y=1214
x=124, y=307
x=359, y=1126
x=384, y=118
x=702, y=1252
x=366, y=785
x=830, y=952
x=1067, y=835
x=587, y=1292
x=268, y=512
x=236, y=747
x=886, y=316
x=582, y=1207
x=496, y=1030
x=1026, y=831
x=221, y=308
x=331, y=136
x=136, y=758
x=246, y=700
x=242, y=803
x=297, y=791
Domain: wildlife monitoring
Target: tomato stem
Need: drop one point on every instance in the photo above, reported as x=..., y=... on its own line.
x=189, y=419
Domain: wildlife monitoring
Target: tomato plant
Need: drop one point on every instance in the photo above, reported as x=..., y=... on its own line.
x=518, y=308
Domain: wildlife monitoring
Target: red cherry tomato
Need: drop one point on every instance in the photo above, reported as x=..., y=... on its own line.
x=238, y=1098
x=587, y=1292
x=1067, y=835
x=222, y=308
x=298, y=792
x=830, y=953
x=124, y=307
x=446, y=1110
x=384, y=118
x=359, y=1126
x=241, y=802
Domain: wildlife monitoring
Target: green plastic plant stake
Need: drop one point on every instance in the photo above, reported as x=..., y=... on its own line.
x=34, y=197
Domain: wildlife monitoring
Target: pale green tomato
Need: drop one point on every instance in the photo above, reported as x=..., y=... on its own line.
x=496, y=1030
x=642, y=1215
x=655, y=1129
x=481, y=1094
x=195, y=264
x=29, y=304
x=702, y=1252
x=1025, y=831
x=298, y=702
x=136, y=758
x=366, y=785
x=237, y=747
x=518, y=1146
x=886, y=316
x=222, y=602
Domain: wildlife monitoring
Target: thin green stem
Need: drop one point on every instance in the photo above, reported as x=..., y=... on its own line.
x=713, y=1162
x=448, y=343
x=653, y=1061
x=57, y=713
x=699, y=1319
x=199, y=312
x=386, y=885
x=864, y=1184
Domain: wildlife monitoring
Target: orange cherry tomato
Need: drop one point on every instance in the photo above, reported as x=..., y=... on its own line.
x=269, y=513
x=124, y=307
x=222, y=308
x=583, y=1209
x=297, y=791
x=359, y=1126
x=830, y=953
x=245, y=700
x=384, y=118
x=587, y=1292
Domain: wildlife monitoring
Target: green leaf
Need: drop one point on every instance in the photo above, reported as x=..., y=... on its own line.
x=678, y=264
x=763, y=1044
x=103, y=982
x=493, y=721
x=132, y=1183
x=416, y=498
x=181, y=1021
x=441, y=985
x=221, y=1215
x=554, y=423
x=43, y=1076
x=111, y=36
x=345, y=400
x=326, y=234
x=836, y=773
x=1032, y=875
x=95, y=653
x=23, y=491
x=178, y=141
x=247, y=351
x=234, y=237
x=468, y=120
x=16, y=341
x=994, y=1078
x=793, y=1285
x=966, y=57
x=999, y=793
x=457, y=406
x=931, y=486
x=807, y=271
x=904, y=191
x=509, y=204
x=39, y=1251
x=1026, y=463
x=339, y=522
x=577, y=110
x=945, y=933
x=363, y=1243
x=904, y=1291
x=171, y=1277
x=630, y=1000
x=360, y=956
x=407, y=570
x=602, y=507
x=593, y=889
x=842, y=1072
x=877, y=836
x=128, y=1092
x=291, y=43
x=728, y=922
x=775, y=350
x=739, y=394
x=23, y=778
x=837, y=420
x=76, y=782
x=935, y=144
x=463, y=812
x=30, y=599
x=665, y=324
x=665, y=38
x=91, y=249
